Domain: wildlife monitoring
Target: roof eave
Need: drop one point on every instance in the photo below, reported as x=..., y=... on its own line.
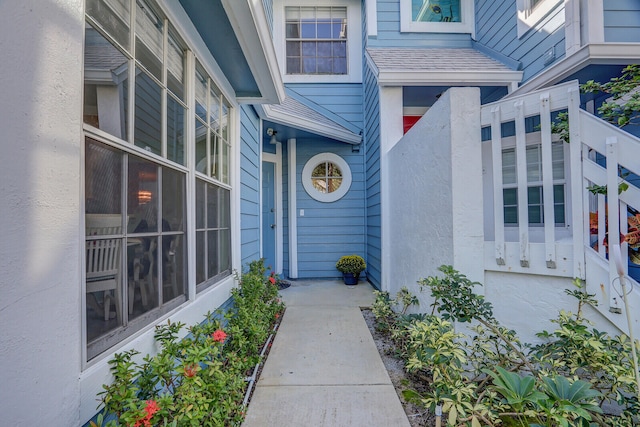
x=448, y=78
x=266, y=112
x=601, y=53
x=250, y=24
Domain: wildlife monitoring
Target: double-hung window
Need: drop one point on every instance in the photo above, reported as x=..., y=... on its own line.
x=136, y=170
x=534, y=185
x=316, y=40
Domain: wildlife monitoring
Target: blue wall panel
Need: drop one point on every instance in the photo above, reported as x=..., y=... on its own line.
x=389, y=34
x=329, y=230
x=496, y=28
x=621, y=21
x=249, y=184
x=343, y=99
x=372, y=174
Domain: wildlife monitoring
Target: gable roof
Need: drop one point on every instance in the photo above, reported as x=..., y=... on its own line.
x=438, y=66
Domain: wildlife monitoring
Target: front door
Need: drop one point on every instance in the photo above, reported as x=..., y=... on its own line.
x=269, y=215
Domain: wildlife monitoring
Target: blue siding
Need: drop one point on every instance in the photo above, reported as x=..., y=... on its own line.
x=372, y=173
x=268, y=10
x=496, y=28
x=389, y=34
x=342, y=99
x=621, y=21
x=329, y=230
x=249, y=184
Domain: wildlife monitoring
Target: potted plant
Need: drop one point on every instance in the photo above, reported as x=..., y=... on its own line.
x=351, y=266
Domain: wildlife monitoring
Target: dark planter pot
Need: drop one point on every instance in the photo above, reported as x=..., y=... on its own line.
x=350, y=278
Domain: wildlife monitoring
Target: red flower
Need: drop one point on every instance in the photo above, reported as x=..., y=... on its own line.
x=190, y=370
x=272, y=280
x=151, y=408
x=277, y=316
x=219, y=335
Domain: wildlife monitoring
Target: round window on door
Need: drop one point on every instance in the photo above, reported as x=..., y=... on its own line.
x=326, y=177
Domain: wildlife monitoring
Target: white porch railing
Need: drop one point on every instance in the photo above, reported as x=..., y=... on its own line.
x=550, y=249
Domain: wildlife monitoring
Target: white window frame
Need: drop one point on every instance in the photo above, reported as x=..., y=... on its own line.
x=354, y=41
x=467, y=26
x=324, y=158
x=529, y=17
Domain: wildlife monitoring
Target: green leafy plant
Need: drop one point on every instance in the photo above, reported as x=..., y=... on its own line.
x=353, y=264
x=197, y=380
x=491, y=379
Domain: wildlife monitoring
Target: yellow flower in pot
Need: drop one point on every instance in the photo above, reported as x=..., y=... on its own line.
x=351, y=266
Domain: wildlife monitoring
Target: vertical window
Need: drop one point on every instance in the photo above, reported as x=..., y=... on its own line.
x=316, y=40
x=135, y=252
x=157, y=58
x=531, y=12
x=213, y=233
x=534, y=185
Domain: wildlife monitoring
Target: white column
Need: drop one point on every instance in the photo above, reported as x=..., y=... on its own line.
x=293, y=211
x=372, y=17
x=391, y=130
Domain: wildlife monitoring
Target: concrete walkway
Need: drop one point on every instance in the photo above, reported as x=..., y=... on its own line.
x=324, y=368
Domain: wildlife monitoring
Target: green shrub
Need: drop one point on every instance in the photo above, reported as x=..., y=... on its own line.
x=492, y=379
x=353, y=264
x=198, y=380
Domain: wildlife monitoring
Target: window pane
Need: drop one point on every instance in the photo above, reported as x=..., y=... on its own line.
x=173, y=200
x=224, y=212
x=142, y=197
x=509, y=166
x=293, y=66
x=320, y=170
x=149, y=39
x=213, y=251
x=510, y=215
x=309, y=65
x=143, y=262
x=103, y=181
x=175, y=66
x=201, y=265
x=224, y=121
x=293, y=49
x=175, y=130
x=103, y=299
x=225, y=250
x=535, y=215
x=201, y=147
x=534, y=195
x=214, y=155
x=557, y=154
x=324, y=28
x=510, y=196
x=147, y=133
x=441, y=11
x=225, y=163
x=333, y=184
x=559, y=205
x=201, y=208
x=339, y=49
x=534, y=164
x=293, y=30
x=212, y=206
x=339, y=66
x=173, y=270
x=113, y=17
x=320, y=184
x=201, y=93
x=333, y=170
x=105, y=85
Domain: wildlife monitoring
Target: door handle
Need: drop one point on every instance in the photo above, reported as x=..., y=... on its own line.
x=273, y=226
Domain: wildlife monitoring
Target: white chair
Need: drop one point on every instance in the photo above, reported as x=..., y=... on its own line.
x=103, y=262
x=103, y=273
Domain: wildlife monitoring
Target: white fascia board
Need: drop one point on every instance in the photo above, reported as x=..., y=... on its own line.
x=343, y=135
x=249, y=22
x=448, y=78
x=601, y=53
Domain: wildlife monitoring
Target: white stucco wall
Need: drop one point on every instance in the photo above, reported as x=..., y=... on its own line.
x=435, y=194
x=40, y=258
